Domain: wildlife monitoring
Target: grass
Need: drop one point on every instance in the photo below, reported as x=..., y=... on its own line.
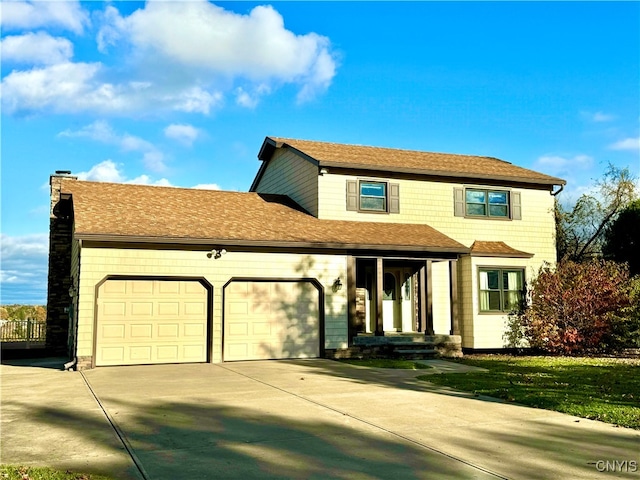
x=605, y=389
x=386, y=363
x=10, y=472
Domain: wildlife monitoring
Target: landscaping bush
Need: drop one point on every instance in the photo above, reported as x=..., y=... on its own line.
x=579, y=308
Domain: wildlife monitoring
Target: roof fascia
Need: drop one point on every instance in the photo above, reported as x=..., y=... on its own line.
x=433, y=173
x=502, y=255
x=90, y=237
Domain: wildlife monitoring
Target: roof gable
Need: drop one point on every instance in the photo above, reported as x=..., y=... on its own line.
x=407, y=161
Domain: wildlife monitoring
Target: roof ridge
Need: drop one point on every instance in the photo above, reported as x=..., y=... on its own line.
x=284, y=140
x=146, y=185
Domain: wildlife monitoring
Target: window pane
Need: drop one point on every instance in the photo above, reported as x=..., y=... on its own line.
x=512, y=280
x=484, y=301
x=476, y=209
x=494, y=300
x=512, y=300
x=493, y=277
x=373, y=203
x=498, y=210
x=389, y=287
x=372, y=189
x=498, y=197
x=476, y=196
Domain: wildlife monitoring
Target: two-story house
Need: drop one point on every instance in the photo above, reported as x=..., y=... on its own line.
x=333, y=246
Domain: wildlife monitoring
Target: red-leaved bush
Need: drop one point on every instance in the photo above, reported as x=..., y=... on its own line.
x=574, y=307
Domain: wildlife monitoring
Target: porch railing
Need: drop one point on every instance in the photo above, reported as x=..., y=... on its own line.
x=28, y=331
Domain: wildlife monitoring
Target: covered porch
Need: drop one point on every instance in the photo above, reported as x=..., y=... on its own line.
x=404, y=305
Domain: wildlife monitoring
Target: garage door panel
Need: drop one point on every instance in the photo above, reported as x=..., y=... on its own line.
x=141, y=309
x=238, y=329
x=138, y=287
x=193, y=308
x=193, y=330
x=151, y=322
x=268, y=320
x=112, y=355
x=141, y=331
x=167, y=352
x=169, y=330
x=115, y=309
x=169, y=309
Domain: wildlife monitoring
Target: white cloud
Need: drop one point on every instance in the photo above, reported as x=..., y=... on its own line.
x=23, y=274
x=598, y=117
x=207, y=186
x=36, y=14
x=101, y=131
x=626, y=144
x=109, y=171
x=79, y=87
x=185, y=134
x=236, y=45
x=36, y=48
x=559, y=165
x=106, y=171
x=170, y=56
x=251, y=99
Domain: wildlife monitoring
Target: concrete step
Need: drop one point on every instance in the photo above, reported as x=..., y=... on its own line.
x=387, y=339
x=412, y=354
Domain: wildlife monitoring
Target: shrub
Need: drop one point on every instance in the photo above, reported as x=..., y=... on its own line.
x=578, y=308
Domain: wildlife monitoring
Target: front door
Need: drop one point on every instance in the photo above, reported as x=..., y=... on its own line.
x=397, y=300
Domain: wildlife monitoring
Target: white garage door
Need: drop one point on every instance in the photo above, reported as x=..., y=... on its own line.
x=151, y=321
x=269, y=320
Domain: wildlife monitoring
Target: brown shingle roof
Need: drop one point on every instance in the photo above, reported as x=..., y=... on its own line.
x=165, y=214
x=496, y=249
x=408, y=161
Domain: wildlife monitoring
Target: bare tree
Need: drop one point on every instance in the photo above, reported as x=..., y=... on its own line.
x=580, y=230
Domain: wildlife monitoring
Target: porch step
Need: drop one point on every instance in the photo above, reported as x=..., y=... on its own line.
x=415, y=354
x=389, y=338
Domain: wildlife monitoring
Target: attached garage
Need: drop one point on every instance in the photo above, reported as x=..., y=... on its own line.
x=271, y=320
x=150, y=321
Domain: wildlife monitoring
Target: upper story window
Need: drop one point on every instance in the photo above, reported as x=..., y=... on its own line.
x=475, y=202
x=490, y=203
x=373, y=196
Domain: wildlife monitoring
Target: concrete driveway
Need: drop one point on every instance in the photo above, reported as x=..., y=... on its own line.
x=291, y=419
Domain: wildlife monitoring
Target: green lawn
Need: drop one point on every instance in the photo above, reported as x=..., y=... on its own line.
x=10, y=472
x=606, y=389
x=386, y=363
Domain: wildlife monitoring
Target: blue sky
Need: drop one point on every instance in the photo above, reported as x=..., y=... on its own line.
x=183, y=93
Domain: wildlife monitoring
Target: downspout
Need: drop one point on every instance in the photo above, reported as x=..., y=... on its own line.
x=556, y=193
x=69, y=365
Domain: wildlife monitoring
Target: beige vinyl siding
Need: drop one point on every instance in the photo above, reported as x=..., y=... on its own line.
x=97, y=263
x=432, y=203
x=75, y=281
x=485, y=330
x=289, y=174
x=465, y=301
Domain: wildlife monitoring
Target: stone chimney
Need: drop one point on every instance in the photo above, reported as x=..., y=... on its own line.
x=59, y=303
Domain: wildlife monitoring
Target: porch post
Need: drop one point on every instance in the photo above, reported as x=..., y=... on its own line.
x=453, y=290
x=426, y=315
x=378, y=304
x=429, y=283
x=351, y=299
